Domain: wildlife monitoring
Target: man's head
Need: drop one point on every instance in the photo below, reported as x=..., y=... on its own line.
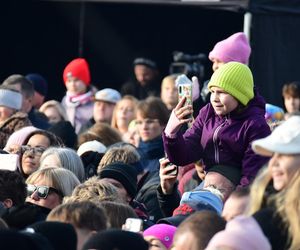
x=195, y=232
x=224, y=178
x=123, y=177
x=145, y=70
x=105, y=101
x=25, y=87
x=12, y=188
x=86, y=217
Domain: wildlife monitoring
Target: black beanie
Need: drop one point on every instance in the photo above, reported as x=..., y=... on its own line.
x=66, y=132
x=232, y=173
x=61, y=235
x=124, y=173
x=116, y=239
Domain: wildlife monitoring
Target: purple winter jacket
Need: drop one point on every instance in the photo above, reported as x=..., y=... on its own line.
x=222, y=140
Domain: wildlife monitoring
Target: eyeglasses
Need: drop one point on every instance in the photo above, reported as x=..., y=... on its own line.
x=42, y=191
x=34, y=150
x=146, y=122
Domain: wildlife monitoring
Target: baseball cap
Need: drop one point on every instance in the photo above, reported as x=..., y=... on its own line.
x=108, y=95
x=94, y=146
x=285, y=139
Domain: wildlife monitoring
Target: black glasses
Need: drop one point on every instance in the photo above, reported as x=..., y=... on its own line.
x=42, y=191
x=34, y=150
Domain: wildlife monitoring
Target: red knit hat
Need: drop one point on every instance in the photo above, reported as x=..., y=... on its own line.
x=78, y=68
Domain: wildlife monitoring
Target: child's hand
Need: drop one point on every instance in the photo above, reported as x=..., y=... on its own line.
x=182, y=112
x=178, y=117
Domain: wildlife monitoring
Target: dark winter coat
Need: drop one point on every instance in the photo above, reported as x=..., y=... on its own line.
x=223, y=140
x=146, y=194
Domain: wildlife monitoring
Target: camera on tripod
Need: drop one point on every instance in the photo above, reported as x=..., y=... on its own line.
x=190, y=65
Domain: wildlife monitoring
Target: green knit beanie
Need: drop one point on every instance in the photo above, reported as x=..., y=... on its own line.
x=236, y=79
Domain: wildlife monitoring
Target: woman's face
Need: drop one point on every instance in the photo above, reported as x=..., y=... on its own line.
x=282, y=169
x=36, y=145
x=148, y=128
x=52, y=200
x=222, y=102
x=125, y=113
x=53, y=115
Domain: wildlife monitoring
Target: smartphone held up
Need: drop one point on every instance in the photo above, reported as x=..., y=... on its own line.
x=172, y=172
x=185, y=89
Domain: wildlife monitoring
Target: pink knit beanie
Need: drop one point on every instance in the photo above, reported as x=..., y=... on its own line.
x=162, y=232
x=234, y=48
x=19, y=136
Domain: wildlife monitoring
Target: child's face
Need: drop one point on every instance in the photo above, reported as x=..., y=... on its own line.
x=75, y=86
x=216, y=64
x=292, y=104
x=222, y=102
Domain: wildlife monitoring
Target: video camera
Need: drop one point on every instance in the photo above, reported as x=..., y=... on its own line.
x=190, y=65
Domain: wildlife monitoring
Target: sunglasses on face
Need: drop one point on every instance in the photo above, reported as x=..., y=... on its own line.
x=42, y=191
x=34, y=150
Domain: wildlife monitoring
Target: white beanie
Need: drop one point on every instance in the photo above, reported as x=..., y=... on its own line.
x=10, y=99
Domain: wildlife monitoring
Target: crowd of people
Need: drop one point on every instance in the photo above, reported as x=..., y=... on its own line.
x=139, y=168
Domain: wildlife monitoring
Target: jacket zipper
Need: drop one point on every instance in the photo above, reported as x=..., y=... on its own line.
x=215, y=140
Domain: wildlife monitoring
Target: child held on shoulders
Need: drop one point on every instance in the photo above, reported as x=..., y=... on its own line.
x=78, y=99
x=224, y=129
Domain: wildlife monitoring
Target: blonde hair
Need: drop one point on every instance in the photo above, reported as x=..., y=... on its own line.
x=57, y=105
x=59, y=178
x=134, y=103
x=127, y=154
x=258, y=191
x=94, y=190
x=288, y=207
x=286, y=202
